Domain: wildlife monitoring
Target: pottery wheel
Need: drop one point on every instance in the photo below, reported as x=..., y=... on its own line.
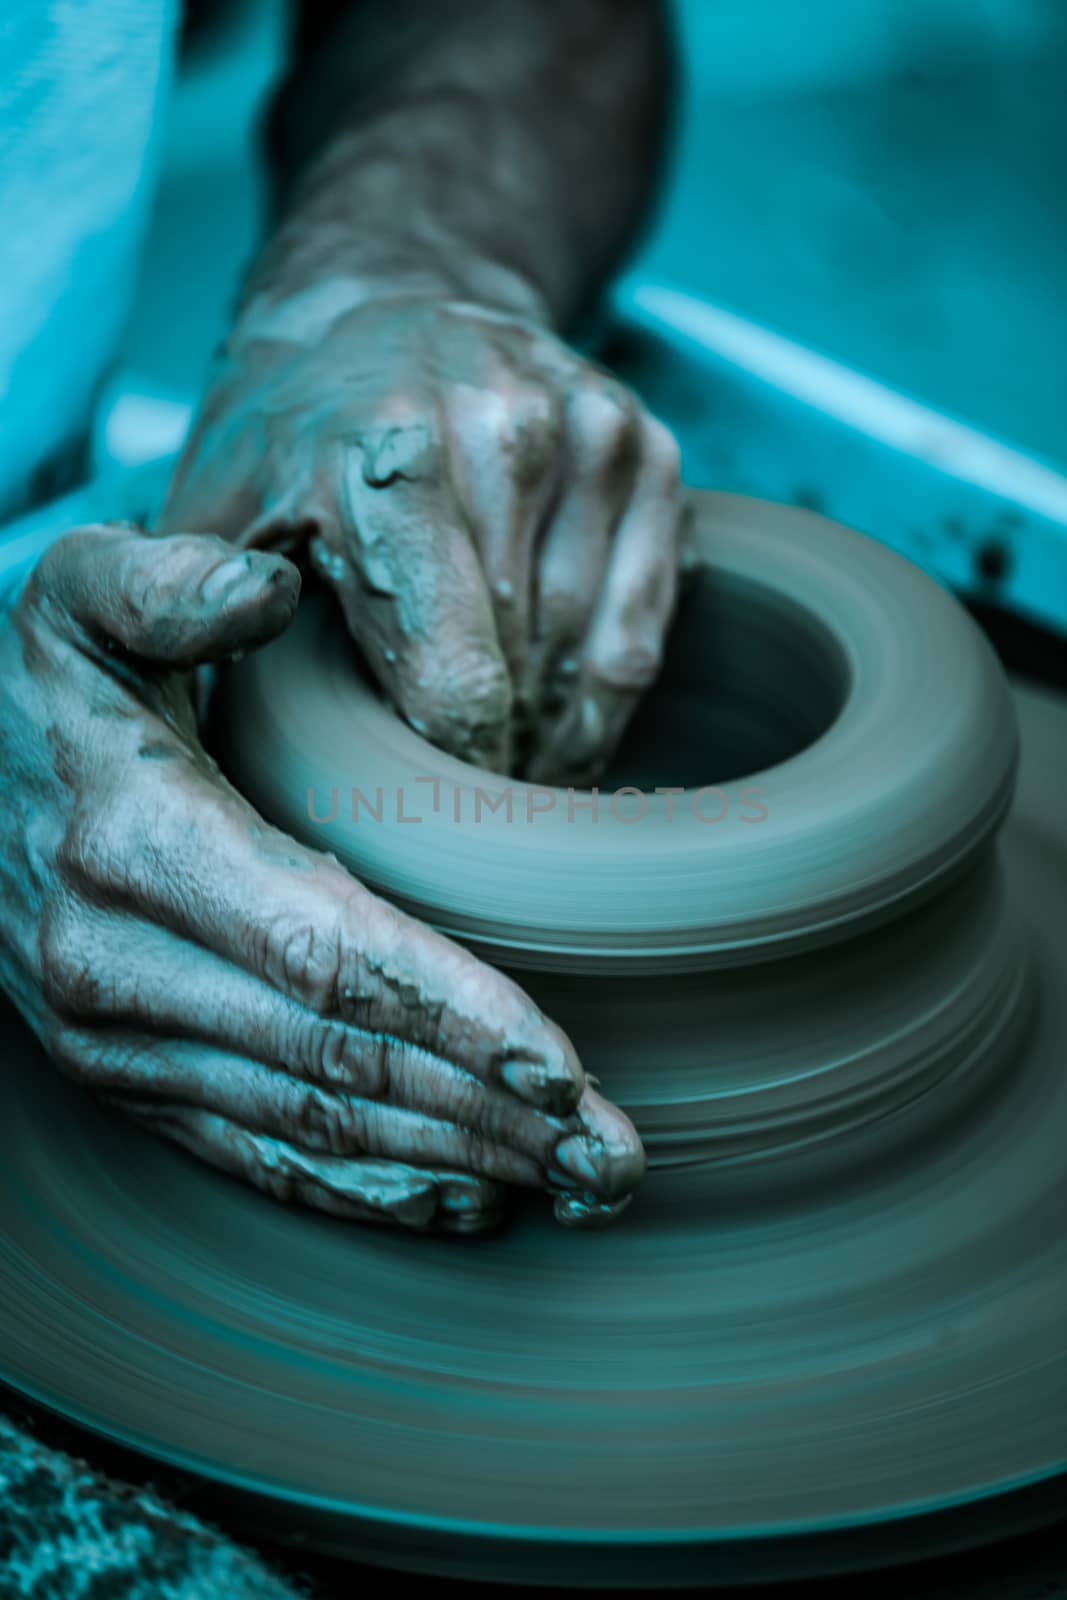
x=839, y=1300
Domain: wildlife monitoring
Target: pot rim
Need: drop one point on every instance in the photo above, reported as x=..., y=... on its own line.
x=893, y=798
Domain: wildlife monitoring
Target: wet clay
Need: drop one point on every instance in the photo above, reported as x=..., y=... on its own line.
x=839, y=1025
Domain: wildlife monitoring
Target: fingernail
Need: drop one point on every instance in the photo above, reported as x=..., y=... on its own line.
x=461, y=1193
x=468, y=1205
x=586, y=1211
x=416, y=1209
x=612, y=1170
x=580, y=1161
x=470, y=1222
x=533, y=1083
x=224, y=578
x=243, y=576
x=589, y=735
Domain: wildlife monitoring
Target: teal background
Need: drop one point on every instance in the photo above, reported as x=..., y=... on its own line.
x=879, y=179
x=876, y=181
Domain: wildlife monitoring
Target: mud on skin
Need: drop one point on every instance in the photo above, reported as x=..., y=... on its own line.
x=218, y=981
x=498, y=517
x=499, y=520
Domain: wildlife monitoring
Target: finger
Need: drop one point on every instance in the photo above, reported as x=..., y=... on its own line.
x=206, y=867
x=601, y=1157
x=240, y=475
x=620, y=1156
x=156, y=987
x=356, y=1190
x=624, y=646
x=506, y=451
x=246, y=1092
x=401, y=558
x=391, y=540
x=216, y=486
x=154, y=983
x=596, y=1150
x=602, y=442
x=182, y=600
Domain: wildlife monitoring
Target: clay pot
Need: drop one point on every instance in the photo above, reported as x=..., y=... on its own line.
x=803, y=939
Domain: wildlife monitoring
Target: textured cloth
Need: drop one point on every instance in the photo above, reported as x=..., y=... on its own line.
x=82, y=88
x=82, y=84
x=69, y=1533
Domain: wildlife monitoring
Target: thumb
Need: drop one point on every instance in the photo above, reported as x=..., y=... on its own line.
x=184, y=600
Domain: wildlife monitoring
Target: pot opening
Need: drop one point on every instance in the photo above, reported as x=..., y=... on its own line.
x=750, y=679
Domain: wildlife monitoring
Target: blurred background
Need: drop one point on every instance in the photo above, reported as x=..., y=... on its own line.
x=884, y=179
x=852, y=297
x=880, y=179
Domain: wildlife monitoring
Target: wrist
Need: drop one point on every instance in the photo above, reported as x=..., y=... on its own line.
x=418, y=203
x=301, y=310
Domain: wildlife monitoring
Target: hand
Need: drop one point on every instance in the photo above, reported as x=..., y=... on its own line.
x=211, y=977
x=498, y=517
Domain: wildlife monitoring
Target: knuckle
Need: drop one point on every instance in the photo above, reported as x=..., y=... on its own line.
x=129, y=1065
x=54, y=578
x=46, y=578
x=376, y=1065
x=97, y=1060
x=629, y=667
x=55, y=564
x=147, y=597
x=663, y=453
x=482, y=417
x=475, y=1152
x=533, y=417
x=342, y=1059
x=97, y=848
x=322, y=1121
x=529, y=433
x=68, y=1047
x=71, y=981
x=325, y=1053
x=303, y=958
x=605, y=427
x=267, y=1165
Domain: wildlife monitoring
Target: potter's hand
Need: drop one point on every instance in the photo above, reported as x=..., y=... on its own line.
x=498, y=517
x=231, y=989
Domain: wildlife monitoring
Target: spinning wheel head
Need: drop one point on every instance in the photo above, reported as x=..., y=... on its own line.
x=838, y=1300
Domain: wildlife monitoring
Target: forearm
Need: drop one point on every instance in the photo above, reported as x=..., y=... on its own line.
x=502, y=151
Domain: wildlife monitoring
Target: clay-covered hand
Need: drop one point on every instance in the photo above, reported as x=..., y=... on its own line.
x=233, y=990
x=498, y=516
